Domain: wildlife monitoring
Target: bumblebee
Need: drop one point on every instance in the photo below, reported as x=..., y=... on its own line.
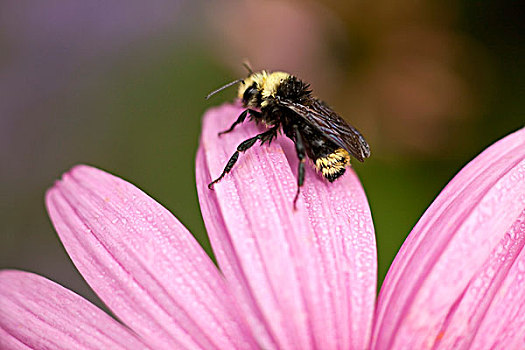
x=284, y=102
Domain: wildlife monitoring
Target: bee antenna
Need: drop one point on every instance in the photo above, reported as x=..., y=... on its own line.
x=223, y=87
x=246, y=65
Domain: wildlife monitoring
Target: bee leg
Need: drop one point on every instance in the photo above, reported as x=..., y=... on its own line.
x=241, y=119
x=254, y=114
x=301, y=154
x=245, y=145
x=269, y=135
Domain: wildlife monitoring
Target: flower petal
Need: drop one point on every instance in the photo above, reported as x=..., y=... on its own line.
x=307, y=278
x=143, y=263
x=39, y=314
x=453, y=270
x=503, y=326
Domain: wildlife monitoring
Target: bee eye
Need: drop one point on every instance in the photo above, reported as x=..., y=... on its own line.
x=249, y=92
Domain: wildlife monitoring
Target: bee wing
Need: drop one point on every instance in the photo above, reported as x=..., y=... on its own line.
x=332, y=126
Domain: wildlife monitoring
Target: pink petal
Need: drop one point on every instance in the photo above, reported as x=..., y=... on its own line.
x=452, y=276
x=307, y=278
x=39, y=314
x=503, y=326
x=143, y=263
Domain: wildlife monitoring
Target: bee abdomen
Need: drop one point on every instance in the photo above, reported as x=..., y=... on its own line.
x=334, y=164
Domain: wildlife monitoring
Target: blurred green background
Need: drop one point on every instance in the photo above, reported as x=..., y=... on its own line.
x=120, y=85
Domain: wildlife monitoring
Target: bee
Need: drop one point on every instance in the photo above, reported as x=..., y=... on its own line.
x=284, y=102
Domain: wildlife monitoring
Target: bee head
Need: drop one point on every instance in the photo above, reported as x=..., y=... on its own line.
x=259, y=86
x=250, y=89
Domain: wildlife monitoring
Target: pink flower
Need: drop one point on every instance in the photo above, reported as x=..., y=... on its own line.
x=288, y=280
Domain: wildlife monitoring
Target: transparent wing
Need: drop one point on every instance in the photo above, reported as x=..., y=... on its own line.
x=331, y=125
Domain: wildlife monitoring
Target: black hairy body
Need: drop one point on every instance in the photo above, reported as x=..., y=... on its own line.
x=284, y=102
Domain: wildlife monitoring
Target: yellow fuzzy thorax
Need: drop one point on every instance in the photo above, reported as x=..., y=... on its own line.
x=333, y=163
x=266, y=82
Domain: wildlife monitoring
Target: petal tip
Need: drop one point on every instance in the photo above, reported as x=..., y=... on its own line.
x=82, y=169
x=7, y=273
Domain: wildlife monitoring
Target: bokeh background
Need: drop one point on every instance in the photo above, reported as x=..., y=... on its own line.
x=120, y=85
